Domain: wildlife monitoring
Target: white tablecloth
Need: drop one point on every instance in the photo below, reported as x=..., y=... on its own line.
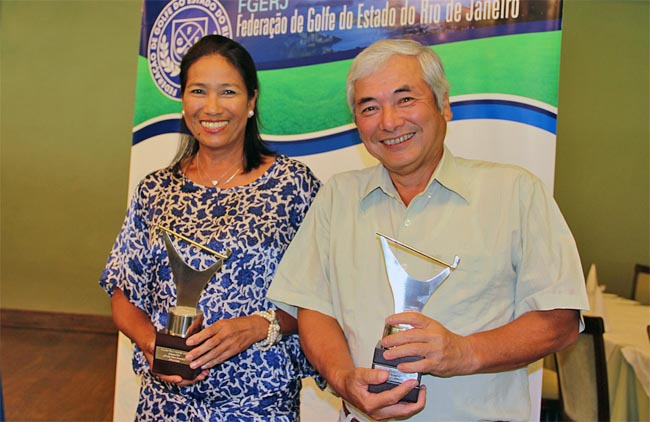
x=627, y=349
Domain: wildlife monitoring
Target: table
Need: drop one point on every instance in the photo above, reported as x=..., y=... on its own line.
x=627, y=350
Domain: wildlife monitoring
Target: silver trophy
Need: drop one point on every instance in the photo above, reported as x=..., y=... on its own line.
x=185, y=318
x=409, y=294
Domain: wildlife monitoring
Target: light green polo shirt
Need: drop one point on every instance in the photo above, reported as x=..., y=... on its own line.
x=516, y=255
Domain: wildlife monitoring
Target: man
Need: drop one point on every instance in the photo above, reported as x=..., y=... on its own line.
x=515, y=297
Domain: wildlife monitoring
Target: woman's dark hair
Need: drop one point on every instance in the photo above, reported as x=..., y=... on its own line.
x=236, y=54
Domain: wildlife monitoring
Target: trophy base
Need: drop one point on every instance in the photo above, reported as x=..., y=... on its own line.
x=169, y=357
x=395, y=376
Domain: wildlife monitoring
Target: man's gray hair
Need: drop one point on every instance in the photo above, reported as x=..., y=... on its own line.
x=381, y=51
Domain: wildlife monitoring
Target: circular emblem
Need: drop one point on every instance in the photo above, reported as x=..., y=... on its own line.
x=178, y=26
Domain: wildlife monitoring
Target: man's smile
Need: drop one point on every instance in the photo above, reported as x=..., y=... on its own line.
x=399, y=140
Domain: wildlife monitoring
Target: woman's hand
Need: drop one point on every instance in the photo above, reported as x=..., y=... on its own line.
x=174, y=379
x=137, y=326
x=225, y=339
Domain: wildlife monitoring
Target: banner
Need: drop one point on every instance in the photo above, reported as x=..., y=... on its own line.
x=501, y=58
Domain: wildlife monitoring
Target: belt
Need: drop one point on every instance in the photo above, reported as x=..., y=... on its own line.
x=348, y=416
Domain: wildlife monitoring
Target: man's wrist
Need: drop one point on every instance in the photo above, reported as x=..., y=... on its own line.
x=337, y=381
x=471, y=355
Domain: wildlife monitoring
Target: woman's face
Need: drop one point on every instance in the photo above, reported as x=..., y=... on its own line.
x=215, y=103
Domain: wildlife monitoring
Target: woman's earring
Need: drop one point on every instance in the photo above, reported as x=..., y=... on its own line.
x=251, y=113
x=183, y=113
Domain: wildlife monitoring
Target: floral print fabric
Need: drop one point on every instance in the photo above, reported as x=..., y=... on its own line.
x=256, y=222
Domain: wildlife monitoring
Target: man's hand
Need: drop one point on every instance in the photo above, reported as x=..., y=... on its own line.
x=324, y=344
x=379, y=406
x=516, y=344
x=444, y=353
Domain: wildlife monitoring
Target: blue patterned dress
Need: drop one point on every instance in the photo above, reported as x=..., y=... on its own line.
x=256, y=222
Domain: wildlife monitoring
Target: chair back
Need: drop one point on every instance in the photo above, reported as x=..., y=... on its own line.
x=582, y=375
x=641, y=286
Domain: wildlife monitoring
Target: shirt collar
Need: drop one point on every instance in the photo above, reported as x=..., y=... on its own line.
x=379, y=180
x=447, y=174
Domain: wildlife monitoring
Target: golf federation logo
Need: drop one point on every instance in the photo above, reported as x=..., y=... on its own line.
x=178, y=26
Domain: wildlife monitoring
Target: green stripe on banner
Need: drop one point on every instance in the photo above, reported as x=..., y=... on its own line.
x=304, y=99
x=527, y=65
x=149, y=101
x=312, y=98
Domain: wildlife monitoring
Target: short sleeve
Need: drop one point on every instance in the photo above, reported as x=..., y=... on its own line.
x=301, y=279
x=549, y=272
x=128, y=265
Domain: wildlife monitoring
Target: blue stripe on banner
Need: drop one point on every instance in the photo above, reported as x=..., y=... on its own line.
x=158, y=128
x=463, y=110
x=506, y=110
x=317, y=145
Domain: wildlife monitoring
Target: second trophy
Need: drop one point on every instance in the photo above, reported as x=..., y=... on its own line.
x=409, y=294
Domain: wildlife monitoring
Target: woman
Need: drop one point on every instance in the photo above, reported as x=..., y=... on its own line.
x=224, y=190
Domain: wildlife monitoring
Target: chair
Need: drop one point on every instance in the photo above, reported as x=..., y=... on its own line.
x=550, y=409
x=582, y=375
x=641, y=284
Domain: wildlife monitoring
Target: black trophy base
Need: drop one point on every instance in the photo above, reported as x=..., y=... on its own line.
x=169, y=357
x=395, y=376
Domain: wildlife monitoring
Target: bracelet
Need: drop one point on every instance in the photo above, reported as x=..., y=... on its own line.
x=273, y=335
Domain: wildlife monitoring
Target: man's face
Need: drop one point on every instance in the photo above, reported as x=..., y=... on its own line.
x=398, y=120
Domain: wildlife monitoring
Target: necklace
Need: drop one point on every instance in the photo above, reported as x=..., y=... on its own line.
x=216, y=181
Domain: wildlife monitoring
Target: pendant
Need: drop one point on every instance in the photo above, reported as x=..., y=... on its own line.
x=215, y=182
